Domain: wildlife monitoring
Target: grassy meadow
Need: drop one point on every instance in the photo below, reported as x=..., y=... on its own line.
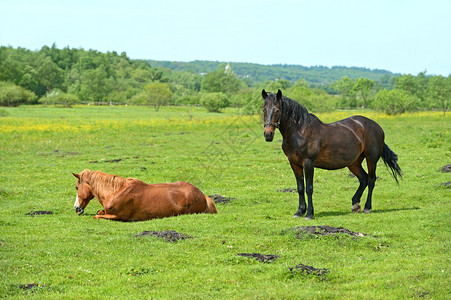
x=404, y=254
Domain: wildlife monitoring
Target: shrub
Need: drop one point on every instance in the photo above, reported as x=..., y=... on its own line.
x=156, y=94
x=3, y=113
x=313, y=99
x=14, y=95
x=395, y=101
x=252, y=102
x=58, y=97
x=214, y=102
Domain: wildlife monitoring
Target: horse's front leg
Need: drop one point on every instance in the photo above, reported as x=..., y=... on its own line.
x=108, y=217
x=299, y=174
x=309, y=170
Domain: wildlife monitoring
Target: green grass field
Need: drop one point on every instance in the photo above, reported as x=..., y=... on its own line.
x=405, y=254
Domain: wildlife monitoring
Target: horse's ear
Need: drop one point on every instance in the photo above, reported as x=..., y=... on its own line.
x=264, y=94
x=76, y=175
x=279, y=94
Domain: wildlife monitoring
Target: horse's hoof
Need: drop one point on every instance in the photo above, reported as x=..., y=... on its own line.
x=356, y=208
x=309, y=217
x=367, y=211
x=297, y=215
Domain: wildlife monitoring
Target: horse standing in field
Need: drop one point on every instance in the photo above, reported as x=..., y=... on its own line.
x=309, y=143
x=130, y=199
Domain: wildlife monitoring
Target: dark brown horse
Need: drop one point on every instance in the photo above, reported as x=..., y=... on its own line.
x=309, y=143
x=130, y=199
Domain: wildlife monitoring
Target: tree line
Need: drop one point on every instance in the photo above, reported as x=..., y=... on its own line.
x=251, y=73
x=70, y=76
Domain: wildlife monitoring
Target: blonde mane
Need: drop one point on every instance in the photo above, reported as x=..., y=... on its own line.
x=101, y=182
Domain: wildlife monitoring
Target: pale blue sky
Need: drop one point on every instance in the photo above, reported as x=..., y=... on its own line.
x=402, y=36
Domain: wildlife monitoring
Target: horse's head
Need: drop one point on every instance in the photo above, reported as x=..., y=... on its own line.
x=271, y=113
x=84, y=194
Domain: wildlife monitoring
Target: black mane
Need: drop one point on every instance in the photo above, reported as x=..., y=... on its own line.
x=291, y=109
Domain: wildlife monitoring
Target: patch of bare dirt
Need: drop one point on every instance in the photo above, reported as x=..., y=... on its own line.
x=218, y=199
x=264, y=258
x=59, y=153
x=325, y=230
x=288, y=190
x=304, y=269
x=39, y=212
x=169, y=236
x=28, y=286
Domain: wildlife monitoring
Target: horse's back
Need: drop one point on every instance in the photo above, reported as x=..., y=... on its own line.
x=364, y=127
x=345, y=141
x=166, y=199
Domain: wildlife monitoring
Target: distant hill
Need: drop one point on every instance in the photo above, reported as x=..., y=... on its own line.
x=317, y=75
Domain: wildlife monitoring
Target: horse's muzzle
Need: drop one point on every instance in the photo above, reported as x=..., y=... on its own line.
x=269, y=135
x=79, y=210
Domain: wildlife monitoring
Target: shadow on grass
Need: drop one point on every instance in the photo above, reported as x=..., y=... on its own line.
x=389, y=210
x=376, y=211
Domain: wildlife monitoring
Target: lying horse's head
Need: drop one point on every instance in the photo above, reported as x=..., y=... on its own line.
x=84, y=194
x=271, y=113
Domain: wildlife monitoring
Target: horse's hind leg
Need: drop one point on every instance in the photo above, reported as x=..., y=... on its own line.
x=371, y=182
x=309, y=170
x=360, y=173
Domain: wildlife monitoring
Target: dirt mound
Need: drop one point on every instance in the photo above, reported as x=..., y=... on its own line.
x=304, y=269
x=217, y=199
x=28, y=286
x=325, y=230
x=260, y=257
x=446, y=169
x=40, y=212
x=169, y=236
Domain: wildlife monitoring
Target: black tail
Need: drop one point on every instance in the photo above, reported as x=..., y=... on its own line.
x=391, y=160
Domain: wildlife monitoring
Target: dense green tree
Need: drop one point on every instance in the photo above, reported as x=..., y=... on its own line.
x=407, y=83
x=223, y=80
x=50, y=75
x=362, y=87
x=415, y=85
x=344, y=87
x=385, y=81
x=30, y=80
x=395, y=101
x=439, y=91
x=95, y=85
x=274, y=86
x=315, y=100
x=156, y=94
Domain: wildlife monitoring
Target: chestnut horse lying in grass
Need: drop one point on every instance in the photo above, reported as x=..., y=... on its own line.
x=130, y=199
